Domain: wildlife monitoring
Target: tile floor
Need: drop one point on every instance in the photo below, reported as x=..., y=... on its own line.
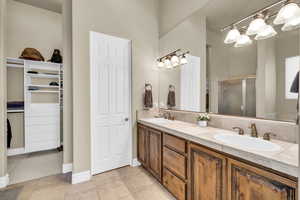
x=35, y=165
x=126, y=183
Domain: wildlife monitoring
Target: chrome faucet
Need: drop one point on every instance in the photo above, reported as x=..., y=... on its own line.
x=267, y=136
x=167, y=115
x=240, y=130
x=253, y=130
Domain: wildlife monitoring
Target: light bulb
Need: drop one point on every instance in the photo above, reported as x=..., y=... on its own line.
x=175, y=60
x=266, y=33
x=292, y=23
x=243, y=41
x=256, y=26
x=286, y=13
x=232, y=36
x=167, y=63
x=183, y=60
x=160, y=64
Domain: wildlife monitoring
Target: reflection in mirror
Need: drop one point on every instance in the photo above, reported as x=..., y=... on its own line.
x=254, y=80
x=180, y=86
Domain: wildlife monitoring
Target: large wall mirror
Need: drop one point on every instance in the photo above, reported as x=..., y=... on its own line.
x=254, y=80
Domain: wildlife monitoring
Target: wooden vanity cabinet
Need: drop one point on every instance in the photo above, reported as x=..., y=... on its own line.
x=150, y=150
x=154, y=153
x=194, y=172
x=142, y=149
x=175, y=165
x=207, y=174
x=246, y=182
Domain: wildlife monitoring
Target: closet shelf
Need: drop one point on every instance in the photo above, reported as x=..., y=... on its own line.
x=43, y=91
x=15, y=111
x=42, y=86
x=43, y=76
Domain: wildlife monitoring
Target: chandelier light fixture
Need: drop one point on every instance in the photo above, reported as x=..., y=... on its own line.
x=172, y=60
x=286, y=12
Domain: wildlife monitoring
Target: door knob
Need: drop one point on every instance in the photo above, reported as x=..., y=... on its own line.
x=126, y=119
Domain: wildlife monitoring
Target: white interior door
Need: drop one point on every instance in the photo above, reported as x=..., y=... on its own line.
x=110, y=102
x=190, y=83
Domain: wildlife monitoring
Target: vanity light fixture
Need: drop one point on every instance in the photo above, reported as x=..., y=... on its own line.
x=232, y=36
x=183, y=60
x=243, y=40
x=175, y=60
x=172, y=60
x=292, y=23
x=160, y=64
x=257, y=25
x=287, y=12
x=167, y=63
x=267, y=32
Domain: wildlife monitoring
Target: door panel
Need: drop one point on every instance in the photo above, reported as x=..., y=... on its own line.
x=110, y=102
x=142, y=145
x=248, y=183
x=208, y=174
x=155, y=151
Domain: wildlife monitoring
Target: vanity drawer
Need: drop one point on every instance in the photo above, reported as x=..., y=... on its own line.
x=175, y=162
x=175, y=143
x=175, y=185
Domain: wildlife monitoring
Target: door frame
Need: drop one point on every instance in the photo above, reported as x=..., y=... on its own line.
x=130, y=103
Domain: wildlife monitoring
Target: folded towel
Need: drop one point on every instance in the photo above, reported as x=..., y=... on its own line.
x=171, y=99
x=148, y=98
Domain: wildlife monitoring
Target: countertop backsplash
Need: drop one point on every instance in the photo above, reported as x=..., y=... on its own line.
x=285, y=131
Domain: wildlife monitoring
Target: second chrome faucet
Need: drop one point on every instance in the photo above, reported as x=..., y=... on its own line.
x=253, y=130
x=254, y=133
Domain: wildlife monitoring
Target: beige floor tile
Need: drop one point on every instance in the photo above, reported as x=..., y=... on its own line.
x=33, y=166
x=121, y=184
x=138, y=182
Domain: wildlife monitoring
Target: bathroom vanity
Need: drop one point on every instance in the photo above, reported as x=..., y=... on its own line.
x=193, y=165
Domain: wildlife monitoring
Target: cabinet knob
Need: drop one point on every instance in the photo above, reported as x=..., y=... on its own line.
x=126, y=119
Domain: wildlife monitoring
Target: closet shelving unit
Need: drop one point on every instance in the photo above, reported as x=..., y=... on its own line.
x=42, y=104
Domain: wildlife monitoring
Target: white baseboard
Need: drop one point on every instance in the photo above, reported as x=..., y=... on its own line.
x=81, y=177
x=4, y=181
x=135, y=163
x=66, y=168
x=14, y=152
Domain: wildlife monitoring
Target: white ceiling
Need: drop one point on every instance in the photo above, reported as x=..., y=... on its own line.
x=52, y=5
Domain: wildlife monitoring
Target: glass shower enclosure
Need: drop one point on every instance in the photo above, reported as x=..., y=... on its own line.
x=237, y=97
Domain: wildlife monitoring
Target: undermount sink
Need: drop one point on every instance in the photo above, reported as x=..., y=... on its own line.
x=247, y=142
x=159, y=120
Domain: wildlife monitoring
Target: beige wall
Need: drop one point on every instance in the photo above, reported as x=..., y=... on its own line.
x=286, y=45
x=190, y=35
x=68, y=94
x=30, y=26
x=133, y=20
x=174, y=12
x=3, y=165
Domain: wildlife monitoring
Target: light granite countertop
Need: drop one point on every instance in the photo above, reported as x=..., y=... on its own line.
x=284, y=160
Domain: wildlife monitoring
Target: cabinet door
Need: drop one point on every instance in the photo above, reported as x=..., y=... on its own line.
x=142, y=145
x=247, y=183
x=207, y=174
x=155, y=151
